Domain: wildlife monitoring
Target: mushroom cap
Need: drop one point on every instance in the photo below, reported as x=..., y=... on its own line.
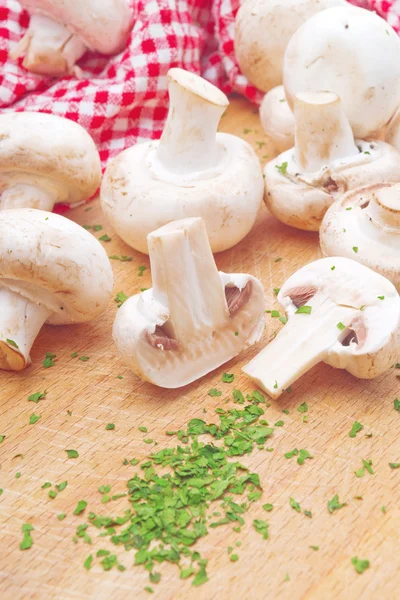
x=39, y=146
x=263, y=30
x=277, y=119
x=367, y=219
x=353, y=53
x=53, y=261
x=301, y=200
x=392, y=133
x=103, y=25
x=136, y=201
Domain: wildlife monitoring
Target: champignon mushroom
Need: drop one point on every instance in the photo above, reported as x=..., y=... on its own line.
x=392, y=133
x=192, y=171
x=365, y=225
x=277, y=119
x=59, y=33
x=263, y=29
x=340, y=312
x=326, y=162
x=45, y=159
x=194, y=318
x=51, y=270
x=355, y=54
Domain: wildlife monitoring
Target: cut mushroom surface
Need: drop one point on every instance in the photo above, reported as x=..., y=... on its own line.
x=263, y=29
x=51, y=270
x=59, y=33
x=365, y=226
x=324, y=164
x=44, y=160
x=339, y=312
x=194, y=318
x=277, y=119
x=192, y=171
x=353, y=53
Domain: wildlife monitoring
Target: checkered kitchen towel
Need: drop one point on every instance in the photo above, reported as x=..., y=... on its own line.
x=123, y=99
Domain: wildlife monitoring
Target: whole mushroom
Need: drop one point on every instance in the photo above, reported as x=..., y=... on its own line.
x=355, y=54
x=263, y=29
x=277, y=119
x=339, y=312
x=325, y=163
x=51, y=270
x=45, y=159
x=61, y=31
x=194, y=318
x=192, y=171
x=365, y=226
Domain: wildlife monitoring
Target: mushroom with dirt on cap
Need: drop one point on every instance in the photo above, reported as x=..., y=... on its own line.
x=51, y=270
x=365, y=226
x=353, y=53
x=59, y=33
x=192, y=171
x=44, y=160
x=277, y=119
x=263, y=29
x=325, y=163
x=194, y=318
x=339, y=312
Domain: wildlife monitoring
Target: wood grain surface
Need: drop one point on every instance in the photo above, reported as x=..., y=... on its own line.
x=282, y=567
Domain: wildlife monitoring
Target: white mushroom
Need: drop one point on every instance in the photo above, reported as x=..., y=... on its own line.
x=353, y=53
x=325, y=163
x=365, y=225
x=194, y=318
x=60, y=32
x=193, y=171
x=51, y=270
x=392, y=133
x=45, y=159
x=263, y=29
x=277, y=119
x=340, y=312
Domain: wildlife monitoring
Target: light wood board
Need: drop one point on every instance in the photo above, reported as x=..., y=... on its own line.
x=91, y=391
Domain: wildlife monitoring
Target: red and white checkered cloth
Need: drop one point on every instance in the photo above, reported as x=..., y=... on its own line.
x=123, y=99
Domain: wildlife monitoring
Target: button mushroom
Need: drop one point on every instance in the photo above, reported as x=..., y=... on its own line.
x=51, y=270
x=191, y=172
x=365, y=225
x=355, y=54
x=194, y=318
x=60, y=32
x=326, y=162
x=45, y=159
x=340, y=312
x=262, y=31
x=277, y=119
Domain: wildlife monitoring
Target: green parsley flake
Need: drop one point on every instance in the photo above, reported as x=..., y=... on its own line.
x=143, y=429
x=27, y=540
x=314, y=548
x=2, y=438
x=341, y=326
x=105, y=238
x=52, y=494
x=110, y=426
x=279, y=424
x=396, y=404
x=17, y=475
x=48, y=360
x=34, y=419
x=261, y=527
x=61, y=516
x=72, y=453
x=46, y=485
x=303, y=407
x=141, y=270
x=304, y=310
x=356, y=428
x=294, y=504
x=276, y=291
x=88, y=562
x=234, y=557
x=37, y=396
x=394, y=465
x=149, y=589
x=61, y=486
x=120, y=298
x=84, y=358
x=355, y=249
x=228, y=377
x=282, y=168
x=359, y=564
x=80, y=507
x=74, y=354
x=335, y=504
x=381, y=297
x=268, y=507
x=292, y=453
x=213, y=392
x=97, y=227
x=121, y=258
x=12, y=343
x=304, y=454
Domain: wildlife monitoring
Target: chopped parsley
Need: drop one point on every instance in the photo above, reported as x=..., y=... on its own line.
x=84, y=358
x=295, y=505
x=396, y=404
x=356, y=428
x=228, y=377
x=120, y=298
x=282, y=168
x=72, y=453
x=213, y=392
x=143, y=429
x=394, y=465
x=37, y=396
x=105, y=238
x=381, y=297
x=48, y=360
x=268, y=507
x=355, y=249
x=335, y=504
x=12, y=343
x=141, y=270
x=61, y=486
x=261, y=527
x=34, y=419
x=97, y=227
x=304, y=310
x=303, y=407
x=27, y=540
x=359, y=564
x=2, y=438
x=80, y=507
x=341, y=326
x=110, y=426
x=121, y=258
x=314, y=548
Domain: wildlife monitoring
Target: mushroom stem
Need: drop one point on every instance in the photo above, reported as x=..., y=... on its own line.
x=188, y=143
x=20, y=322
x=49, y=47
x=323, y=133
x=384, y=206
x=303, y=342
x=24, y=195
x=186, y=279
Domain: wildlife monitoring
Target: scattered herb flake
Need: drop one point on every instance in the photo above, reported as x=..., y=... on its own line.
x=341, y=326
x=80, y=507
x=214, y=392
x=27, y=540
x=120, y=298
x=34, y=419
x=304, y=310
x=335, y=504
x=141, y=270
x=394, y=465
x=303, y=407
x=48, y=360
x=261, y=527
x=295, y=505
x=396, y=404
x=110, y=426
x=121, y=258
x=61, y=516
x=314, y=548
x=228, y=377
x=105, y=238
x=12, y=343
x=359, y=564
x=356, y=428
x=88, y=562
x=282, y=168
x=355, y=249
x=37, y=396
x=72, y=453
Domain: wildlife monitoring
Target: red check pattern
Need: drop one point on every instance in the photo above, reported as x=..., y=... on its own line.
x=123, y=99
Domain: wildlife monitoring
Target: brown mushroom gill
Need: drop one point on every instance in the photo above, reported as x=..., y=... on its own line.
x=357, y=333
x=302, y=294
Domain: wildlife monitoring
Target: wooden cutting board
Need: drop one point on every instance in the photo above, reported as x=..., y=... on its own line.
x=284, y=566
